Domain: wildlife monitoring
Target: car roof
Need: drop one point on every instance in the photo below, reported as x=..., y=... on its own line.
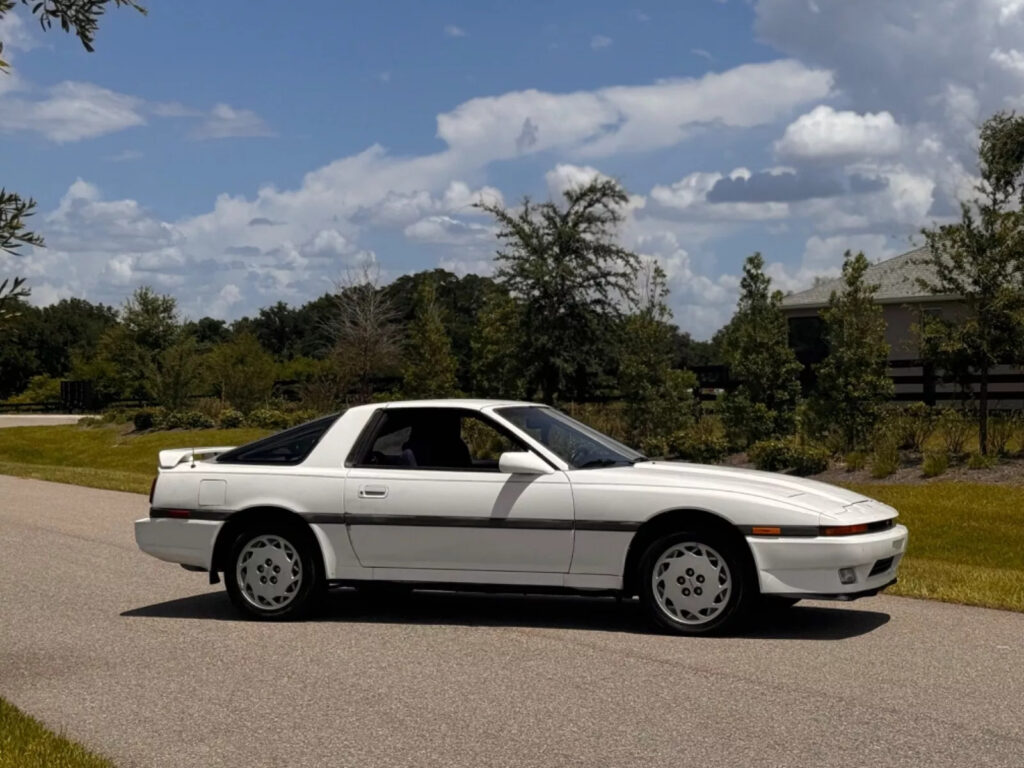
x=475, y=404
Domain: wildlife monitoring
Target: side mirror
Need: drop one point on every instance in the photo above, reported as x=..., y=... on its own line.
x=523, y=463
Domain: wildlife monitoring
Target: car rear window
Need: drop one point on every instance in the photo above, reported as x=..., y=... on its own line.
x=285, y=448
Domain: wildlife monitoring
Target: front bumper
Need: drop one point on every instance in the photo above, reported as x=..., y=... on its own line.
x=809, y=567
x=189, y=542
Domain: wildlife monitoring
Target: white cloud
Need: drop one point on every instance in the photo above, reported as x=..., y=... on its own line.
x=825, y=134
x=565, y=176
x=451, y=30
x=597, y=42
x=445, y=229
x=225, y=121
x=1011, y=60
x=71, y=111
x=630, y=118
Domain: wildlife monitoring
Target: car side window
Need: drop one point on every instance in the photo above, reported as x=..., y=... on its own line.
x=286, y=448
x=437, y=438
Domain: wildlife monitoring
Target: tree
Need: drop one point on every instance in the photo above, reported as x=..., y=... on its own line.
x=757, y=351
x=980, y=259
x=82, y=18
x=572, y=280
x=177, y=374
x=496, y=367
x=430, y=365
x=853, y=380
x=366, y=338
x=151, y=319
x=242, y=372
x=659, y=397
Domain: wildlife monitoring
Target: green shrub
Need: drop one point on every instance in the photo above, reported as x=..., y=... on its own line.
x=771, y=455
x=267, y=418
x=91, y=421
x=300, y=417
x=701, y=444
x=979, y=461
x=935, y=464
x=885, y=458
x=808, y=459
x=184, y=420
x=955, y=428
x=855, y=461
x=144, y=419
x=747, y=422
x=40, y=389
x=231, y=419
x=1001, y=430
x=198, y=420
x=117, y=416
x=912, y=426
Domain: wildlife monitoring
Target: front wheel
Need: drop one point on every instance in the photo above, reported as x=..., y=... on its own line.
x=695, y=583
x=274, y=572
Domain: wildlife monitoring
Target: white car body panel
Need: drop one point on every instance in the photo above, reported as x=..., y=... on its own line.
x=567, y=528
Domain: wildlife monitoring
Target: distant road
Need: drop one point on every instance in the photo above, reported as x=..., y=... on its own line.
x=146, y=663
x=37, y=419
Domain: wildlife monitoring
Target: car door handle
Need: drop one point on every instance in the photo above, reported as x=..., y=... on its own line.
x=373, y=491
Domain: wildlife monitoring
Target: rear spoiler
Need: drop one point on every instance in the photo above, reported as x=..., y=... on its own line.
x=175, y=456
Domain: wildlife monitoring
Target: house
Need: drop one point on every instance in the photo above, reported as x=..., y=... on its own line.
x=904, y=302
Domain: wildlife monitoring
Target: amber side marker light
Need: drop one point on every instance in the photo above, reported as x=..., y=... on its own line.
x=844, y=530
x=765, y=531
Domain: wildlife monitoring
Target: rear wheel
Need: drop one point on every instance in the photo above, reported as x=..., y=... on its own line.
x=274, y=572
x=695, y=583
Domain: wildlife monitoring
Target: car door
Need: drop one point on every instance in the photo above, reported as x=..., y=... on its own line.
x=424, y=491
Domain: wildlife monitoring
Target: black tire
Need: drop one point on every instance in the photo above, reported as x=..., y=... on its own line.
x=737, y=601
x=295, y=544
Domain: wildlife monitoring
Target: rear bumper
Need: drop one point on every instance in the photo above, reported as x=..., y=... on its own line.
x=189, y=542
x=809, y=567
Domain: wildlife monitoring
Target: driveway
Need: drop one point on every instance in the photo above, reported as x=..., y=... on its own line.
x=37, y=419
x=147, y=664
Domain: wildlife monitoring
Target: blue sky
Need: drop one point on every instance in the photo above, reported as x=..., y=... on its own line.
x=234, y=154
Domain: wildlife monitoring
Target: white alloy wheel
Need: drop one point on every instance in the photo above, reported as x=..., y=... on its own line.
x=691, y=583
x=269, y=572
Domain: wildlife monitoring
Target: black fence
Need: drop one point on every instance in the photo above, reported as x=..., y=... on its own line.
x=927, y=385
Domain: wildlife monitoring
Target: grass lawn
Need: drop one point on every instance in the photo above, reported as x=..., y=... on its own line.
x=101, y=457
x=26, y=743
x=966, y=539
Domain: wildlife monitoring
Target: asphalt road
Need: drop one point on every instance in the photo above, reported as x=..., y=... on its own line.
x=37, y=419
x=146, y=663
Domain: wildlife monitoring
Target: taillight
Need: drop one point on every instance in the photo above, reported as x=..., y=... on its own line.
x=152, y=490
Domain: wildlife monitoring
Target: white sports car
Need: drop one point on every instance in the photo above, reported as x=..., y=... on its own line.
x=485, y=494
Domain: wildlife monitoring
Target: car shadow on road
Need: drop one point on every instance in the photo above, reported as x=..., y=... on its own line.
x=605, y=614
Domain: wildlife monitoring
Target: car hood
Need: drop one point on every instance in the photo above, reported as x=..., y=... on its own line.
x=798, y=491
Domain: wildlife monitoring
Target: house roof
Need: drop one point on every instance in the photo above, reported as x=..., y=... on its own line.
x=896, y=279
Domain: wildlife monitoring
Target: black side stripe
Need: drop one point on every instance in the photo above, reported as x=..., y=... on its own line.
x=423, y=521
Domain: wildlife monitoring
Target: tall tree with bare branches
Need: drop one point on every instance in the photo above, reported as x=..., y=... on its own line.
x=367, y=336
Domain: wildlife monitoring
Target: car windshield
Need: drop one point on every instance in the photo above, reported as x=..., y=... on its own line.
x=580, y=446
